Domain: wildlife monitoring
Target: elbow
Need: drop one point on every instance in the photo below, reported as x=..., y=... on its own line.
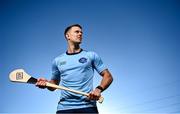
x=111, y=78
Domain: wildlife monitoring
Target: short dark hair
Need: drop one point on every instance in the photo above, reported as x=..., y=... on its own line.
x=69, y=27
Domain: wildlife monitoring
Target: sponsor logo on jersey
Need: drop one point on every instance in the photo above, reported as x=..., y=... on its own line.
x=83, y=60
x=62, y=63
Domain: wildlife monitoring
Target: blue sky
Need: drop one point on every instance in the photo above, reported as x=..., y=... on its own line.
x=137, y=39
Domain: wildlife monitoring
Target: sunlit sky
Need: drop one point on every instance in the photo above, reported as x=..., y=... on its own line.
x=137, y=39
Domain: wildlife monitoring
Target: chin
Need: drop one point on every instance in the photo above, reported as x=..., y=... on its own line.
x=78, y=42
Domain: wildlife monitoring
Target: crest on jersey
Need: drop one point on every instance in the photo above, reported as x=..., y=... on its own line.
x=83, y=60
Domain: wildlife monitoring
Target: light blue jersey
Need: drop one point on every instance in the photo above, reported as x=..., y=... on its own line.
x=76, y=71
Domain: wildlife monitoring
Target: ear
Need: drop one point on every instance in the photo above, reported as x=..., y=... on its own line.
x=67, y=36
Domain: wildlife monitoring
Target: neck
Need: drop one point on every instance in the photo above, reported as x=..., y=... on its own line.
x=74, y=48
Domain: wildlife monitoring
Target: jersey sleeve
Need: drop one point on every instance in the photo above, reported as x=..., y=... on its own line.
x=97, y=63
x=55, y=71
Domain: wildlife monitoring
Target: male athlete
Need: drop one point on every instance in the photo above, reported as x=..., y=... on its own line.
x=75, y=70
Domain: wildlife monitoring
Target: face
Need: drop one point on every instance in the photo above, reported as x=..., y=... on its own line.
x=74, y=35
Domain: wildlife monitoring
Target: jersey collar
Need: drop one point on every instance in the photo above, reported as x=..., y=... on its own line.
x=74, y=53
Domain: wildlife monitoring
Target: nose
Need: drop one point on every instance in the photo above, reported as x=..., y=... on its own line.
x=80, y=33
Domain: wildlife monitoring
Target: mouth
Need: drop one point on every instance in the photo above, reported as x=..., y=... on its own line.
x=79, y=37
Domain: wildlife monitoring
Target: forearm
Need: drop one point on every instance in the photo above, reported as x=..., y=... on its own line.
x=53, y=82
x=105, y=83
x=106, y=80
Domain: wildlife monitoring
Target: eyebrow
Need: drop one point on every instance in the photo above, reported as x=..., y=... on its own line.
x=78, y=31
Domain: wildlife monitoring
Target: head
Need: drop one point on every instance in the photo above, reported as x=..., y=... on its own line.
x=73, y=33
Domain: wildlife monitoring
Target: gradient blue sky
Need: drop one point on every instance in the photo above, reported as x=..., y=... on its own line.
x=137, y=39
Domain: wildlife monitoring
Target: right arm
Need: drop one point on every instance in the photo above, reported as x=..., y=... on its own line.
x=41, y=83
x=53, y=82
x=55, y=79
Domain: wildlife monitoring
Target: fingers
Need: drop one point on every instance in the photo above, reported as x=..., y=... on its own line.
x=94, y=95
x=41, y=83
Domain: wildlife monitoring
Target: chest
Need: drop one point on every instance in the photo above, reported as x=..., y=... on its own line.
x=74, y=64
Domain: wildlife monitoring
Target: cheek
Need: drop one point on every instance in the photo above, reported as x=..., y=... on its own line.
x=74, y=36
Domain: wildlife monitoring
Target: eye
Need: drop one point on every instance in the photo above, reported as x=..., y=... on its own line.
x=77, y=31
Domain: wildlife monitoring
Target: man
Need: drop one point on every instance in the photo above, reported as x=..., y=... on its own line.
x=75, y=70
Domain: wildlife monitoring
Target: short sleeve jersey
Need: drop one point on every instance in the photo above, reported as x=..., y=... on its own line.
x=76, y=71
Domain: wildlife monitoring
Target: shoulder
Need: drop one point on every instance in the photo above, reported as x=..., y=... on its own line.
x=59, y=57
x=91, y=54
